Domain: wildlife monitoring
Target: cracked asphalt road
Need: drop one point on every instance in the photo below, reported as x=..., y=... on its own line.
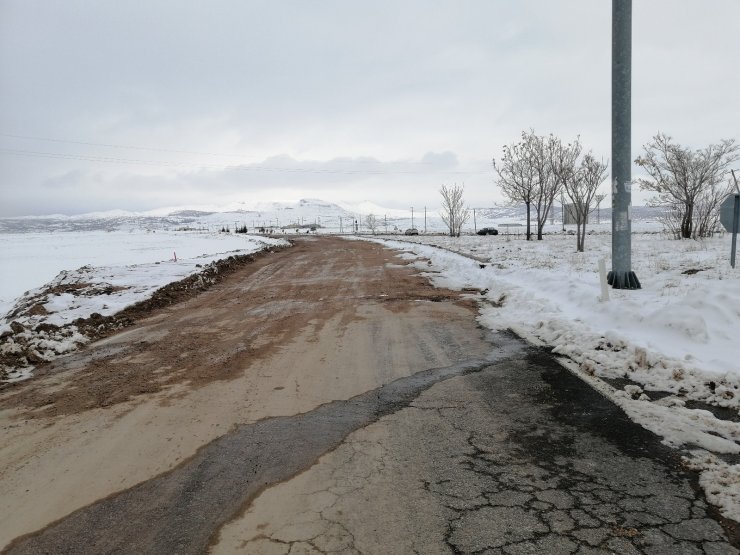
x=519, y=458
x=402, y=430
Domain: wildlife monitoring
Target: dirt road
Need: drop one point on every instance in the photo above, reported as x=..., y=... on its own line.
x=327, y=399
x=326, y=320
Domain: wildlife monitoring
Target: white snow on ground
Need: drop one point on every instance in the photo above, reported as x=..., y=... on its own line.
x=29, y=260
x=121, y=269
x=663, y=353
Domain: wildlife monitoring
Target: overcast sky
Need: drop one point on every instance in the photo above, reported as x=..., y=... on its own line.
x=212, y=102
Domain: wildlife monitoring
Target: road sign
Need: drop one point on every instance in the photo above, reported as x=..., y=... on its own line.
x=727, y=212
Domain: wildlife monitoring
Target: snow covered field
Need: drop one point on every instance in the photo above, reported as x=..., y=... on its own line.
x=667, y=353
x=29, y=260
x=52, y=279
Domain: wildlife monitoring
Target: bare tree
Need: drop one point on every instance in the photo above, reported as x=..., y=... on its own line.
x=579, y=180
x=454, y=213
x=537, y=149
x=581, y=190
x=688, y=183
x=517, y=178
x=372, y=223
x=705, y=213
x=564, y=163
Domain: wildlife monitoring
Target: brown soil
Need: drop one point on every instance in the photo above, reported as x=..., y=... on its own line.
x=97, y=326
x=214, y=335
x=325, y=320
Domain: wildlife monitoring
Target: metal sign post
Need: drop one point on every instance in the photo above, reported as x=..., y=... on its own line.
x=729, y=217
x=734, y=229
x=729, y=212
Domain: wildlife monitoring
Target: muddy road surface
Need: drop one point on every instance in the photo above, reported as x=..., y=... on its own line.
x=325, y=320
x=327, y=399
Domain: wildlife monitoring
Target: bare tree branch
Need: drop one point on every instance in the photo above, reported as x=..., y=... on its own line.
x=689, y=184
x=454, y=213
x=516, y=178
x=372, y=223
x=537, y=149
x=581, y=190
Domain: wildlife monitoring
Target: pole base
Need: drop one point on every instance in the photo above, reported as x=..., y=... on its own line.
x=623, y=280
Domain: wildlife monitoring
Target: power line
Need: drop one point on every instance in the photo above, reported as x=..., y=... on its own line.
x=253, y=168
x=64, y=156
x=128, y=147
x=198, y=153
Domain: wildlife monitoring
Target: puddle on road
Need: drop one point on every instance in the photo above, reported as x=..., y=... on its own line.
x=181, y=510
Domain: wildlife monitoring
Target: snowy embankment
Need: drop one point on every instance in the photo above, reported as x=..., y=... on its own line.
x=667, y=354
x=121, y=269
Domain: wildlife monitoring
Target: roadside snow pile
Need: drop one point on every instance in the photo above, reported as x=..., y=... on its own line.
x=83, y=304
x=667, y=353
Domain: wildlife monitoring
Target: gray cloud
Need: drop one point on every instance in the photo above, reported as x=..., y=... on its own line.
x=86, y=190
x=330, y=84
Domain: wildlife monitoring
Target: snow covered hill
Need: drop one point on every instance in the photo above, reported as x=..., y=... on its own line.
x=331, y=217
x=327, y=215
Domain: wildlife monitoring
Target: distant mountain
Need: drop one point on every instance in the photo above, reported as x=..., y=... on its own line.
x=190, y=213
x=254, y=215
x=282, y=215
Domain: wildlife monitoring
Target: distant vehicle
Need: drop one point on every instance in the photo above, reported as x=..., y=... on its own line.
x=411, y=231
x=488, y=231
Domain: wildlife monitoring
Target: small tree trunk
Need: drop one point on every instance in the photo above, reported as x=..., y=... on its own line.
x=539, y=226
x=539, y=229
x=583, y=234
x=686, y=227
x=529, y=218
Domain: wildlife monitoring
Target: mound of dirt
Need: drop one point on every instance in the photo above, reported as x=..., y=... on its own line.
x=24, y=347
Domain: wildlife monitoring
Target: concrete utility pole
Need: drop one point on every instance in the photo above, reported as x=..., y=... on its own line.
x=622, y=276
x=412, y=216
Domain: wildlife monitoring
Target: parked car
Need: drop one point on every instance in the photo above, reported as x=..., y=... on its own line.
x=488, y=231
x=411, y=231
